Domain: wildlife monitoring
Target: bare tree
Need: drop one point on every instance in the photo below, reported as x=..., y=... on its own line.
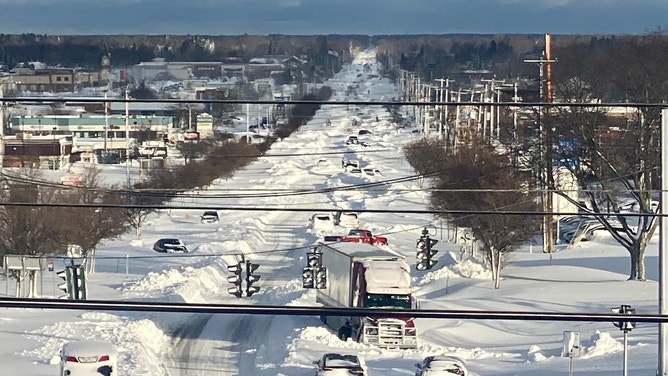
x=615, y=159
x=477, y=179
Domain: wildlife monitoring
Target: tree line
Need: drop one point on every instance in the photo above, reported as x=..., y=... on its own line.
x=127, y=50
x=613, y=158
x=38, y=227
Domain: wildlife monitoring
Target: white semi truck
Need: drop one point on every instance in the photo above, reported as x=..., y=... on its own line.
x=361, y=275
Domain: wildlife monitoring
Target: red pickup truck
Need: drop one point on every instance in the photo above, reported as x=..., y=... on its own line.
x=357, y=236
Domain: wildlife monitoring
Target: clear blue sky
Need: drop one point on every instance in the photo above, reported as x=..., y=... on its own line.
x=372, y=17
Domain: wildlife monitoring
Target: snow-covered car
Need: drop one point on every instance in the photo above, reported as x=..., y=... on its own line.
x=88, y=357
x=346, y=219
x=322, y=222
x=345, y=163
x=332, y=364
x=209, y=216
x=442, y=365
x=370, y=171
x=352, y=140
x=169, y=245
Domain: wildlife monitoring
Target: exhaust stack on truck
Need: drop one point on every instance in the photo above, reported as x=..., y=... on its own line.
x=362, y=275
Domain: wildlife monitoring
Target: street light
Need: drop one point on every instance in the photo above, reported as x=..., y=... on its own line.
x=56, y=152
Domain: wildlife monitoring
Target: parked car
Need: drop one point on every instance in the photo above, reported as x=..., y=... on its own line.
x=339, y=364
x=322, y=222
x=88, y=357
x=209, y=216
x=169, y=245
x=442, y=365
x=352, y=140
x=346, y=219
x=345, y=163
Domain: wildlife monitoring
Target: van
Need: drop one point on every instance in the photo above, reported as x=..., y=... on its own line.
x=88, y=358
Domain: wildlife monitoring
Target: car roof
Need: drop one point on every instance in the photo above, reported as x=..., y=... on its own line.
x=445, y=358
x=210, y=212
x=170, y=240
x=335, y=359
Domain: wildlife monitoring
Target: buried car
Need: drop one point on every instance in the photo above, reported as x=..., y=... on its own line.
x=339, y=364
x=88, y=357
x=169, y=245
x=442, y=365
x=209, y=216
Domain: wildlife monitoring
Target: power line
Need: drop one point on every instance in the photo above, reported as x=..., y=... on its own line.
x=47, y=100
x=167, y=307
x=327, y=209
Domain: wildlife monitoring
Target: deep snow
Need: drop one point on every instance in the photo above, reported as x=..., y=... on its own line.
x=588, y=278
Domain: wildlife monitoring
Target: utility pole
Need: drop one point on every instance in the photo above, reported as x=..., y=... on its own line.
x=127, y=138
x=547, y=181
x=106, y=125
x=444, y=96
x=663, y=250
x=495, y=114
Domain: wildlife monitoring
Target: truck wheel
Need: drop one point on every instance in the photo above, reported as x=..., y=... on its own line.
x=344, y=333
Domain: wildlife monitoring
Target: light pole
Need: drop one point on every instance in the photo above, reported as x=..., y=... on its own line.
x=127, y=137
x=106, y=124
x=56, y=150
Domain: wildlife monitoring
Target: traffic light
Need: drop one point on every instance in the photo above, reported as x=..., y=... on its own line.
x=308, y=278
x=425, y=252
x=79, y=282
x=251, y=278
x=626, y=326
x=314, y=259
x=235, y=279
x=321, y=278
x=66, y=284
x=314, y=275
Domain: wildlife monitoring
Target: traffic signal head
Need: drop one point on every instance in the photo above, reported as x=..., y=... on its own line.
x=251, y=278
x=66, y=285
x=79, y=282
x=235, y=279
x=320, y=278
x=308, y=278
x=314, y=259
x=425, y=253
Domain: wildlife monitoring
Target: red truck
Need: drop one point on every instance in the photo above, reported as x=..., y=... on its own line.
x=357, y=236
x=366, y=276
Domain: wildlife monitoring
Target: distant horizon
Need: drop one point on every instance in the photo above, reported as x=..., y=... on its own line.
x=334, y=17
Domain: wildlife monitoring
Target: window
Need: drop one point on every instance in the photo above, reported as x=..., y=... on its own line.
x=58, y=79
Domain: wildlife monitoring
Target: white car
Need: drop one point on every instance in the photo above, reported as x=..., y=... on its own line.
x=88, y=358
x=441, y=365
x=346, y=219
x=322, y=222
x=333, y=364
x=209, y=216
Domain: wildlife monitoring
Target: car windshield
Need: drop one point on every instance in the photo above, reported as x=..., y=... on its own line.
x=341, y=361
x=171, y=242
x=382, y=300
x=210, y=214
x=450, y=366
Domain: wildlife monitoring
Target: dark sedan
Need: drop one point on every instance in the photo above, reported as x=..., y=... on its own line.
x=169, y=246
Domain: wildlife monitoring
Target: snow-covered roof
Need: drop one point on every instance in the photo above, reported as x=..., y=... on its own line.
x=383, y=277
x=365, y=251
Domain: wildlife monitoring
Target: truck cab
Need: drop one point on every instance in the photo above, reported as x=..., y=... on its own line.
x=361, y=275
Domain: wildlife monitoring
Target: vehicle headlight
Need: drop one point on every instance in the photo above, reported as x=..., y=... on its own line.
x=371, y=331
x=410, y=332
